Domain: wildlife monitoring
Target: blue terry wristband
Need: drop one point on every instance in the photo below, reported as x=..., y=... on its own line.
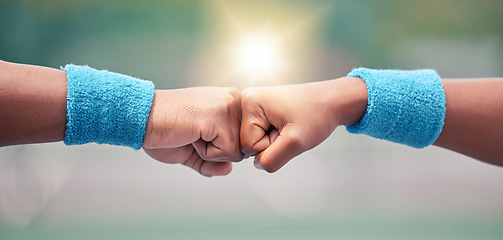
x=406, y=107
x=106, y=107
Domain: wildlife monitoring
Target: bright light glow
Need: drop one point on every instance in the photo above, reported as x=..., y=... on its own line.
x=278, y=46
x=258, y=56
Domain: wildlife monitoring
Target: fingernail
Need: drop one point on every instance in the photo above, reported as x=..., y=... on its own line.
x=258, y=165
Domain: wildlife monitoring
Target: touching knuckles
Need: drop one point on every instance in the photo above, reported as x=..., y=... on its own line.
x=249, y=97
x=233, y=92
x=231, y=124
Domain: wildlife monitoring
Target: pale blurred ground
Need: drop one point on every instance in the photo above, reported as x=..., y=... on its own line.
x=349, y=187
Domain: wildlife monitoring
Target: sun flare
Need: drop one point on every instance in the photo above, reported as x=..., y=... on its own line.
x=258, y=56
x=254, y=44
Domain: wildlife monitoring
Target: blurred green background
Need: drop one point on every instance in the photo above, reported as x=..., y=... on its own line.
x=350, y=187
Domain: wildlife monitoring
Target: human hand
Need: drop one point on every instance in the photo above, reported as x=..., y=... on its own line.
x=279, y=123
x=197, y=127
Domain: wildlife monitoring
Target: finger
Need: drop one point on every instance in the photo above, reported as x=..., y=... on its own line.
x=235, y=93
x=232, y=144
x=218, y=152
x=267, y=141
x=220, y=141
x=206, y=168
x=285, y=147
x=226, y=146
x=236, y=127
x=254, y=125
x=187, y=156
x=273, y=134
x=170, y=155
x=215, y=168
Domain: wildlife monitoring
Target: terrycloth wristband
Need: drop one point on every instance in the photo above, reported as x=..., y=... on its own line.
x=406, y=107
x=106, y=107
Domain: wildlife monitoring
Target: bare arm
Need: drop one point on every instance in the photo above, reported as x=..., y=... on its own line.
x=281, y=122
x=474, y=118
x=197, y=127
x=32, y=103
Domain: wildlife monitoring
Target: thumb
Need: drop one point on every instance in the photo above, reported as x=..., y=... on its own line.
x=286, y=146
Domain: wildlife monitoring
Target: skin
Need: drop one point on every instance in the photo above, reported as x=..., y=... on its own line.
x=33, y=103
x=196, y=127
x=281, y=122
x=204, y=128
x=473, y=118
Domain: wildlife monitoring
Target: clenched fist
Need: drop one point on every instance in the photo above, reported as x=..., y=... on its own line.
x=197, y=127
x=279, y=123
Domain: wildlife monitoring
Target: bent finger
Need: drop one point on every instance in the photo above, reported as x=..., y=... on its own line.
x=207, y=168
x=170, y=155
x=216, y=151
x=280, y=152
x=254, y=126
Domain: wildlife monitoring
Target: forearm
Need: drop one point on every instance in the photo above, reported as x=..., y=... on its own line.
x=33, y=103
x=474, y=116
x=77, y=104
x=472, y=124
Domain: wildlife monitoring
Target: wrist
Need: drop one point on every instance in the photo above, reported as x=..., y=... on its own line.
x=149, y=127
x=349, y=101
x=106, y=107
x=406, y=107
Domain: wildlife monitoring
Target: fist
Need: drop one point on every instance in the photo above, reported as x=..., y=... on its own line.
x=193, y=126
x=281, y=122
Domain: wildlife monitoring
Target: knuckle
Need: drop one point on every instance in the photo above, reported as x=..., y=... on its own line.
x=233, y=91
x=227, y=104
x=232, y=154
x=230, y=103
x=228, y=151
x=207, y=129
x=235, y=157
x=294, y=139
x=250, y=95
x=221, y=153
x=230, y=96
